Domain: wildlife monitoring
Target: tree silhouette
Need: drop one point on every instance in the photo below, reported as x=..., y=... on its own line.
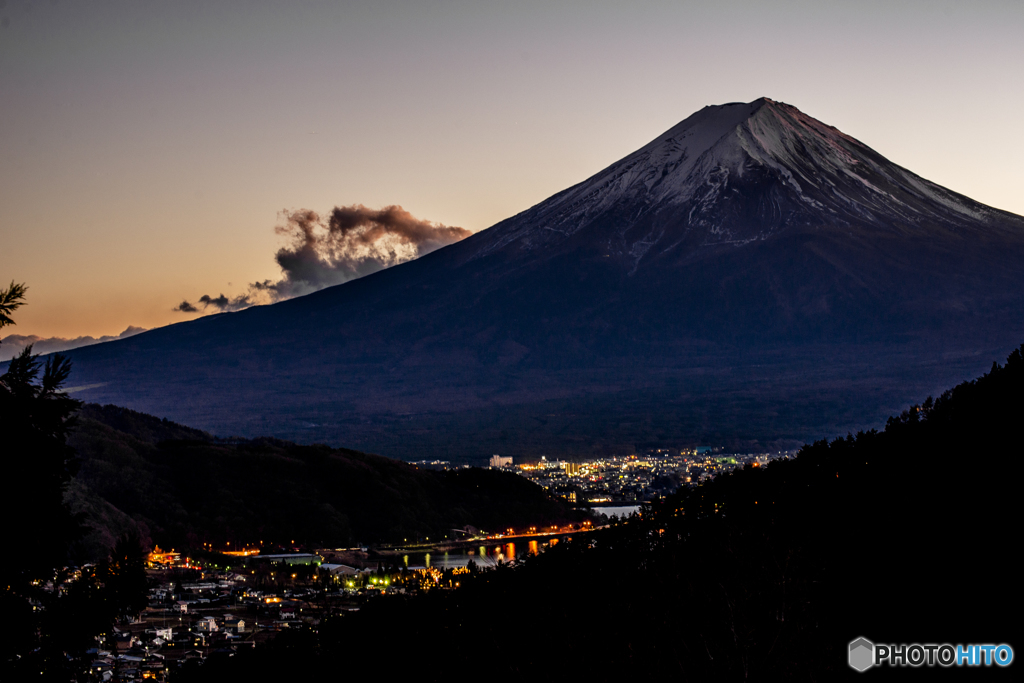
x=51, y=612
x=124, y=577
x=11, y=299
x=35, y=416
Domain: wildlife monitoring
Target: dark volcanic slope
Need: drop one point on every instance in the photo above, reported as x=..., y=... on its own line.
x=751, y=273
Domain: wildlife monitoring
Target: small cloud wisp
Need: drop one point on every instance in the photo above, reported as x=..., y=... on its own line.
x=13, y=344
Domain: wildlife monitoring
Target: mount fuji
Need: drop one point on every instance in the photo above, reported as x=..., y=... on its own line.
x=751, y=275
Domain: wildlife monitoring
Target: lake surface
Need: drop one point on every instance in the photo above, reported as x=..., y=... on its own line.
x=486, y=555
x=620, y=510
x=491, y=553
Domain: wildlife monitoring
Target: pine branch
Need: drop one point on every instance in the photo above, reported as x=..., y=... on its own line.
x=11, y=299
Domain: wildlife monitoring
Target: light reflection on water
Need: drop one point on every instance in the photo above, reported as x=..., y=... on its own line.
x=618, y=510
x=483, y=556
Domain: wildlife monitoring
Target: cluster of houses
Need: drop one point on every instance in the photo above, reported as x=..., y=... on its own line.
x=195, y=614
x=636, y=478
x=192, y=622
x=150, y=652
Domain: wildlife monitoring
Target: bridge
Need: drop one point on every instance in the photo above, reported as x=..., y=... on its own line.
x=447, y=545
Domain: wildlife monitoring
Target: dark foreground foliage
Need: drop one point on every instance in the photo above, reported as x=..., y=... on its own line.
x=50, y=613
x=181, y=487
x=907, y=535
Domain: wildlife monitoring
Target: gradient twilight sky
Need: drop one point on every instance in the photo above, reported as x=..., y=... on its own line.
x=147, y=148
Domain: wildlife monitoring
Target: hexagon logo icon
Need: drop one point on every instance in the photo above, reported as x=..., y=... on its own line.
x=862, y=654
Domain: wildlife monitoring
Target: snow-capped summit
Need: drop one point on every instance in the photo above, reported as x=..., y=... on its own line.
x=731, y=174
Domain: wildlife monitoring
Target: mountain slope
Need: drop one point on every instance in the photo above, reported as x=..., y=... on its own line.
x=749, y=260
x=178, y=487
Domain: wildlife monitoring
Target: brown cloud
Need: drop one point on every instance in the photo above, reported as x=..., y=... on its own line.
x=185, y=307
x=352, y=242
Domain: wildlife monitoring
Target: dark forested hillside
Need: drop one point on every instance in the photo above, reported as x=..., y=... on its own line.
x=902, y=536
x=181, y=486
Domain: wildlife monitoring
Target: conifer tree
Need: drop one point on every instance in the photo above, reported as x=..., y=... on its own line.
x=48, y=629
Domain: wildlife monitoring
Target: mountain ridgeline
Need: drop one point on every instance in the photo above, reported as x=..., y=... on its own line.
x=752, y=274
x=180, y=487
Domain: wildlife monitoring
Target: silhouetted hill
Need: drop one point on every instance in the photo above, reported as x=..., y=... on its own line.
x=903, y=536
x=183, y=487
x=151, y=430
x=752, y=273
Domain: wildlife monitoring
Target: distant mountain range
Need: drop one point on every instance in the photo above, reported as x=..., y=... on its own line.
x=14, y=344
x=752, y=277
